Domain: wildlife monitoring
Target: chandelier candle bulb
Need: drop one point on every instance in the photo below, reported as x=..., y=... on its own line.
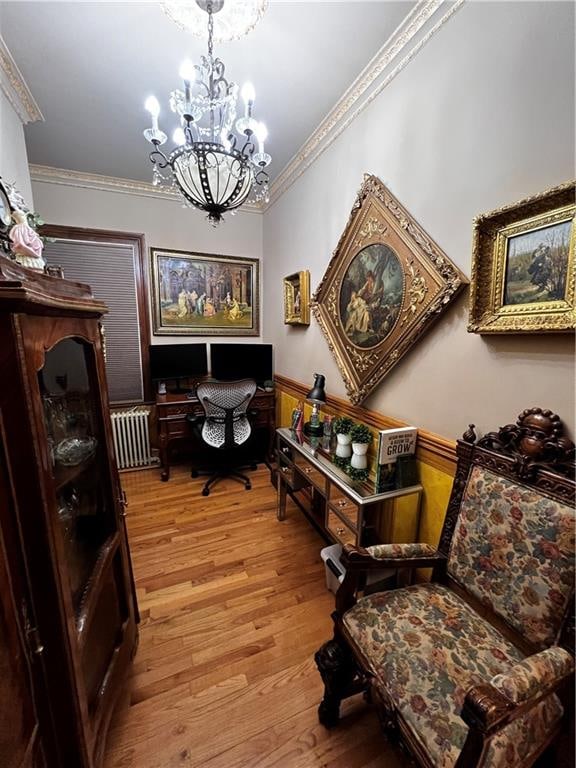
x=153, y=107
x=188, y=75
x=261, y=135
x=249, y=96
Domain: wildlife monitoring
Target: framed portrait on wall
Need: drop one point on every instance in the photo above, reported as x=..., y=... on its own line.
x=386, y=283
x=200, y=294
x=523, y=266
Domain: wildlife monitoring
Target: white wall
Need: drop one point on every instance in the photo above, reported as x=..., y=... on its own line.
x=481, y=117
x=164, y=223
x=13, y=156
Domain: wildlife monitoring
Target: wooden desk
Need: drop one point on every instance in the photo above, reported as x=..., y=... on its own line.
x=173, y=408
x=343, y=511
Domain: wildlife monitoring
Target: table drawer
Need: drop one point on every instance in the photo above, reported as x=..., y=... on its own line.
x=295, y=480
x=310, y=472
x=260, y=420
x=339, y=529
x=176, y=410
x=285, y=450
x=286, y=469
x=346, y=507
x=177, y=428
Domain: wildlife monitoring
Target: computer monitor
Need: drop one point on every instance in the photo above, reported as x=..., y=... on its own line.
x=178, y=361
x=241, y=361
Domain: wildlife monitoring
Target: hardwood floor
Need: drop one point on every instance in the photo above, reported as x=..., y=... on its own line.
x=233, y=606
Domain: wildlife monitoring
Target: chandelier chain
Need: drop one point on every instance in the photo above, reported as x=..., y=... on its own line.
x=210, y=30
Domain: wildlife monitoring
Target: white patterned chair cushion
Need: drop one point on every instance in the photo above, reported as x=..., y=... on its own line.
x=513, y=548
x=216, y=398
x=426, y=648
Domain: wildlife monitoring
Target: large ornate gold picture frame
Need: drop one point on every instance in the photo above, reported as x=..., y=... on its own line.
x=523, y=266
x=386, y=283
x=297, y=298
x=201, y=294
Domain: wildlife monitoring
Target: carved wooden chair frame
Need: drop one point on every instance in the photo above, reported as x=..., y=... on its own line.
x=533, y=452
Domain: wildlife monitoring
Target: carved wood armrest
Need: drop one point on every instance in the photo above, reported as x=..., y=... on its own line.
x=391, y=556
x=484, y=707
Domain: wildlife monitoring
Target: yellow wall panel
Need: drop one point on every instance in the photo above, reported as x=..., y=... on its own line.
x=437, y=488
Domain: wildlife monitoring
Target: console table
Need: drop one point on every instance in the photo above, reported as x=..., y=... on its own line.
x=173, y=408
x=345, y=511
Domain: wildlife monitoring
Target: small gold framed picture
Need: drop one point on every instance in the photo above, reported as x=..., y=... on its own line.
x=297, y=298
x=523, y=266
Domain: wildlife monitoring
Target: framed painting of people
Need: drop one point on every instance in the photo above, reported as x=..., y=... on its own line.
x=297, y=298
x=523, y=268
x=200, y=294
x=386, y=283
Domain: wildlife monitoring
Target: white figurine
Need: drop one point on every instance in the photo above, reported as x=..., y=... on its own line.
x=26, y=243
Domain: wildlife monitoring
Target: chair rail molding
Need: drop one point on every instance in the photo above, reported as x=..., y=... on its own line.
x=415, y=30
x=15, y=89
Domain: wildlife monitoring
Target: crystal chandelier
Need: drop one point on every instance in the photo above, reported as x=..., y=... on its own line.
x=212, y=167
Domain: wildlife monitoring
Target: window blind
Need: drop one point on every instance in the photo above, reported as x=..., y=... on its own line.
x=109, y=269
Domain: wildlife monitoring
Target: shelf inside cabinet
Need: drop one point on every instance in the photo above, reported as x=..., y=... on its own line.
x=65, y=475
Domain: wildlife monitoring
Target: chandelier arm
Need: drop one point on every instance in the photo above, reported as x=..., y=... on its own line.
x=157, y=157
x=261, y=177
x=203, y=84
x=249, y=147
x=188, y=133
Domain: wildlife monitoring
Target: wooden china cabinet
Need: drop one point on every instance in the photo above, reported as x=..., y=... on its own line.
x=68, y=613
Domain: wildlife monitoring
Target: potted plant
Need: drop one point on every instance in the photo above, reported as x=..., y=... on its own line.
x=361, y=437
x=269, y=386
x=342, y=427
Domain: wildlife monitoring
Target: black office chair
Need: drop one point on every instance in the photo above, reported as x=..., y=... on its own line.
x=225, y=429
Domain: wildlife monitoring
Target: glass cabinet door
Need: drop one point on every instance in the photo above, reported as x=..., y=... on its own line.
x=77, y=452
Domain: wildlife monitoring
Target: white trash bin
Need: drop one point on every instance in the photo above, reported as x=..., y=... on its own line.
x=335, y=571
x=334, y=568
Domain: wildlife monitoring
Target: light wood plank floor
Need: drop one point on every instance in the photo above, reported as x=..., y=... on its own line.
x=233, y=606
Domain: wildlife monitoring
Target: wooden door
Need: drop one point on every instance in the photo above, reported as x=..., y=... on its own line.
x=84, y=514
x=20, y=741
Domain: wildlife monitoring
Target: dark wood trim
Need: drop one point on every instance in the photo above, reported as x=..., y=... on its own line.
x=431, y=449
x=140, y=273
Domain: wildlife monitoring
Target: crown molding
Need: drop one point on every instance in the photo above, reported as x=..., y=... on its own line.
x=14, y=87
x=425, y=19
x=46, y=174
x=416, y=29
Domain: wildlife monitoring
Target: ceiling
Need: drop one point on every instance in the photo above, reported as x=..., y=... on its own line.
x=90, y=66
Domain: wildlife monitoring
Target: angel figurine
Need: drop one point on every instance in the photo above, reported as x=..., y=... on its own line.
x=26, y=243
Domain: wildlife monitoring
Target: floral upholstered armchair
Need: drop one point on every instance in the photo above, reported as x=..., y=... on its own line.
x=471, y=668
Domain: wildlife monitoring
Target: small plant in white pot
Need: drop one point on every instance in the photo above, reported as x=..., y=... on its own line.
x=342, y=426
x=361, y=437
